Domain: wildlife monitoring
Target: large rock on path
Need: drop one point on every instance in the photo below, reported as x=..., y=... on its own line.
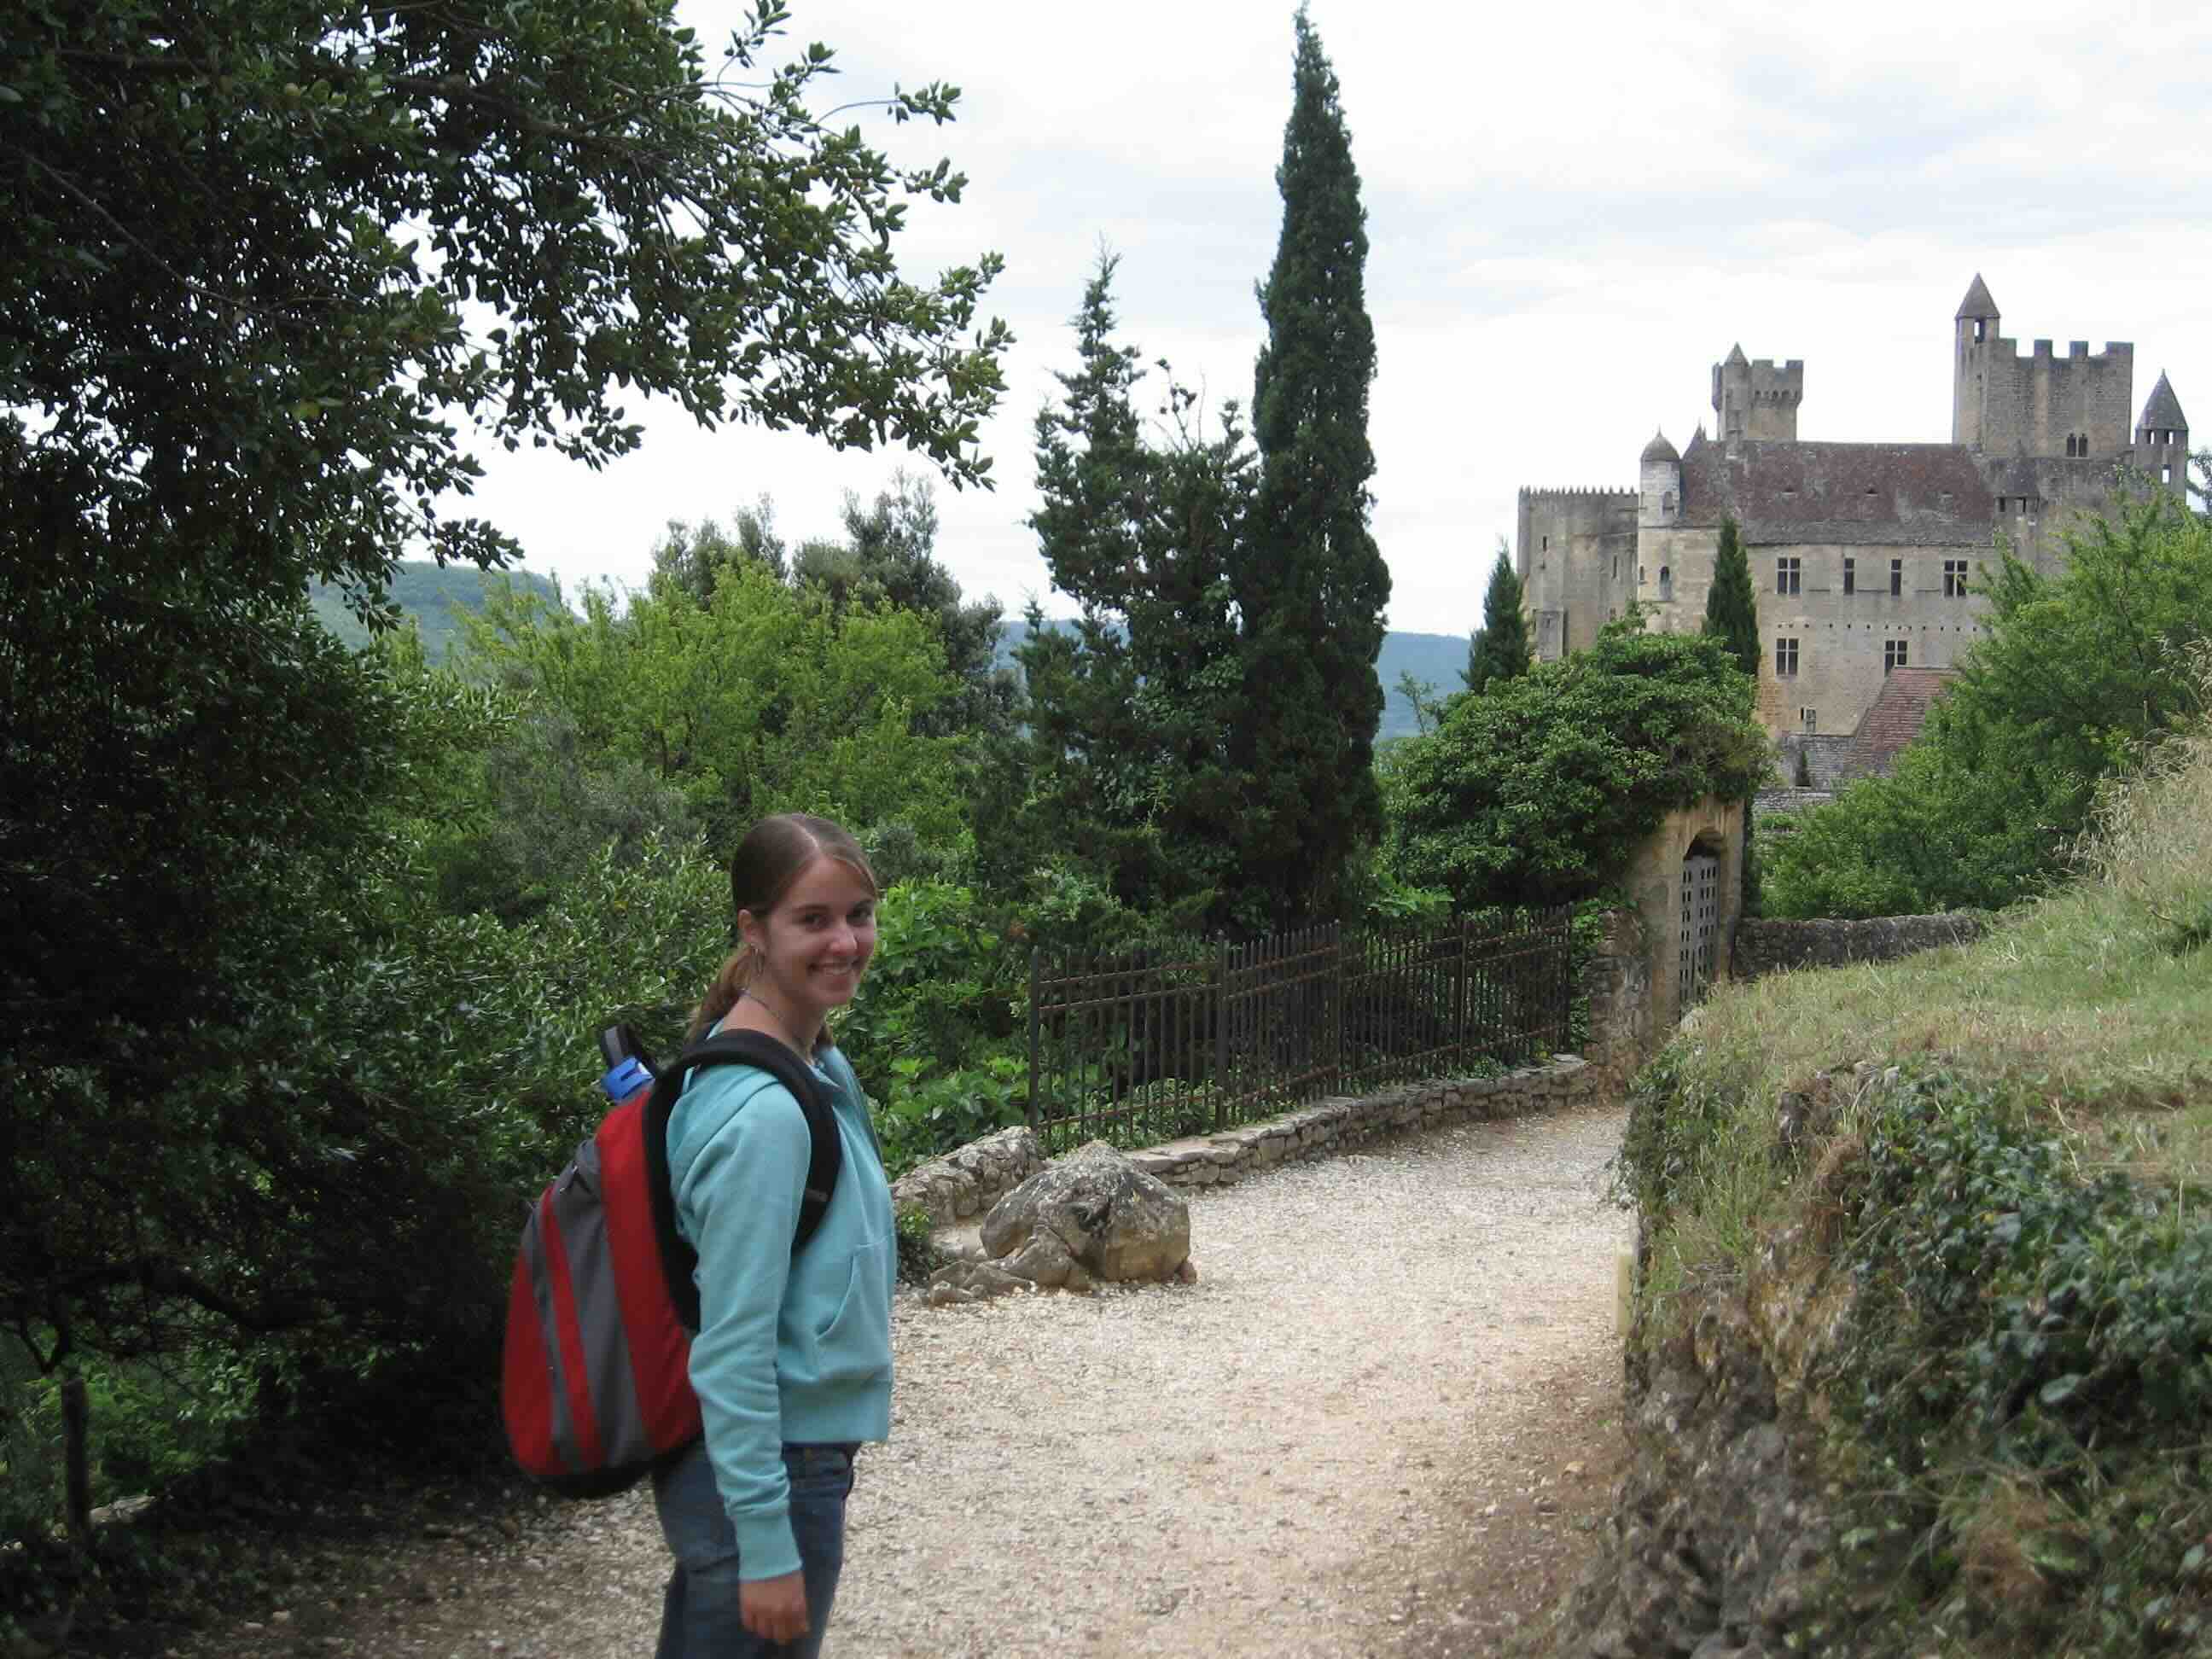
x=1094, y=1216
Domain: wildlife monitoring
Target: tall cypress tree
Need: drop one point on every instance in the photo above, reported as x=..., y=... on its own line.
x=1732, y=616
x=1311, y=585
x=1731, y=613
x=1499, y=649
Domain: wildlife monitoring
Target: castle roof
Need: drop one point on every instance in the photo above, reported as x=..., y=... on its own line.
x=1735, y=356
x=2164, y=408
x=1977, y=302
x=1660, y=450
x=1847, y=494
x=1895, y=719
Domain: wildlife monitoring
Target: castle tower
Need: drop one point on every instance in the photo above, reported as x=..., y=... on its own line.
x=1659, y=495
x=1756, y=400
x=1975, y=332
x=2162, y=436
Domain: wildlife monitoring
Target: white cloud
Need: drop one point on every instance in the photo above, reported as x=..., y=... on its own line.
x=1572, y=215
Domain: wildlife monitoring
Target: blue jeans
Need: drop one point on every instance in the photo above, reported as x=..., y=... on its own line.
x=699, y=1616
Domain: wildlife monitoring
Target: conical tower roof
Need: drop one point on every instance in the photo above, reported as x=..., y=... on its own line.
x=1977, y=302
x=2164, y=408
x=1660, y=450
x=1735, y=357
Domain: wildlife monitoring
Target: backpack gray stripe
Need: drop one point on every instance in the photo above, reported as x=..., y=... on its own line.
x=606, y=1345
x=549, y=1326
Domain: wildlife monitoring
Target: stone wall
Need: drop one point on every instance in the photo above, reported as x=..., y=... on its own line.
x=1340, y=1123
x=962, y=1186
x=1616, y=977
x=1768, y=947
x=1575, y=552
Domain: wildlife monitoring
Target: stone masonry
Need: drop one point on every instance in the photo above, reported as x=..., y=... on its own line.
x=1864, y=556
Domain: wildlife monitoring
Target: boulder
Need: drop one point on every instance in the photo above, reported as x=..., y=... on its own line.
x=1094, y=1216
x=970, y=1281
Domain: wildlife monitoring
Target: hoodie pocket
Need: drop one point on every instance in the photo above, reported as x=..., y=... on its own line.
x=856, y=1344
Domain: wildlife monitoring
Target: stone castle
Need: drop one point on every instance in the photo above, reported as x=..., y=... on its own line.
x=1861, y=555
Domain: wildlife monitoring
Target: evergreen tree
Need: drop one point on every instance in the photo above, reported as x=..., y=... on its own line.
x=1130, y=708
x=1731, y=613
x=1498, y=650
x=1732, y=617
x=1311, y=585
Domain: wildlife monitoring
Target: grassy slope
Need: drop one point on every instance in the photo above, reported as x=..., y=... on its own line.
x=2027, y=1228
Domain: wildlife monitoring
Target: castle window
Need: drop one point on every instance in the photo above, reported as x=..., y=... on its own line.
x=1892, y=654
x=1809, y=721
x=1546, y=546
x=1785, y=658
x=1666, y=582
x=1851, y=576
x=1896, y=578
x=1787, y=573
x=1954, y=579
x=1640, y=577
x=1616, y=566
x=2069, y=444
x=2166, y=474
x=1667, y=502
x=1981, y=328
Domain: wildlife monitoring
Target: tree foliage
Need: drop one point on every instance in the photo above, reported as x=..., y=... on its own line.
x=262, y=256
x=693, y=556
x=2080, y=677
x=1126, y=770
x=1312, y=587
x=1540, y=790
x=272, y=270
x=1731, y=611
x=890, y=557
x=1499, y=649
x=762, y=701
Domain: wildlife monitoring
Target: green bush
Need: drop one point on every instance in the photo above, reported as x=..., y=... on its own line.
x=2034, y=1336
x=1539, y=791
x=936, y=1035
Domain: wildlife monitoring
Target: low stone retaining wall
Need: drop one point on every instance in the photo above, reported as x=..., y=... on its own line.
x=1767, y=947
x=966, y=1184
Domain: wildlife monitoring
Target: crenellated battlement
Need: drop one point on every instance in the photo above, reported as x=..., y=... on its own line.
x=1754, y=399
x=1627, y=496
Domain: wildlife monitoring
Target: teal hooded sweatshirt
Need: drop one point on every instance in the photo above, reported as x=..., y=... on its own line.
x=790, y=1348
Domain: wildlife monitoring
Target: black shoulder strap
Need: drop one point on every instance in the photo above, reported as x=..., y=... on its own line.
x=824, y=1164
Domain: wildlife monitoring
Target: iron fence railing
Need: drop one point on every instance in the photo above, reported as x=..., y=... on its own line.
x=1187, y=1037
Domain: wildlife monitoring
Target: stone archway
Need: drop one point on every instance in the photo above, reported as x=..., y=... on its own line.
x=1698, y=917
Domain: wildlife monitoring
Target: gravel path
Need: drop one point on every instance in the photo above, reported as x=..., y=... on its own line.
x=1346, y=1439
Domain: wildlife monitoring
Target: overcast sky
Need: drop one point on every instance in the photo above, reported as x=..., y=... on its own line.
x=1571, y=216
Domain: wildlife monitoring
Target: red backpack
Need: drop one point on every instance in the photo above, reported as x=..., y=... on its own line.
x=596, y=1386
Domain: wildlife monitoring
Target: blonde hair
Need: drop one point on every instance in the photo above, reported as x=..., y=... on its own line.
x=774, y=853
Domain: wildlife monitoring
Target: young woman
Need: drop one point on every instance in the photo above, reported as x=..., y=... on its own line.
x=793, y=1360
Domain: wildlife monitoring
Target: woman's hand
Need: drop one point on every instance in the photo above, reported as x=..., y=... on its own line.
x=773, y=1609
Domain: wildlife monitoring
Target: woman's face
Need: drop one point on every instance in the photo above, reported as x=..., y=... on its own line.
x=813, y=946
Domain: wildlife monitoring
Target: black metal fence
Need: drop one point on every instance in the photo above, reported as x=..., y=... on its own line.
x=1189, y=1036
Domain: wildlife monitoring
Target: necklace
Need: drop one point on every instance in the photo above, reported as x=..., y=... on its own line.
x=782, y=1025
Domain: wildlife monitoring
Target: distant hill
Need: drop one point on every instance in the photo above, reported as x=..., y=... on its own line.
x=1434, y=658
x=428, y=593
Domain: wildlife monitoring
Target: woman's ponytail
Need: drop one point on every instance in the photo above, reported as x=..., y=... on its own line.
x=722, y=995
